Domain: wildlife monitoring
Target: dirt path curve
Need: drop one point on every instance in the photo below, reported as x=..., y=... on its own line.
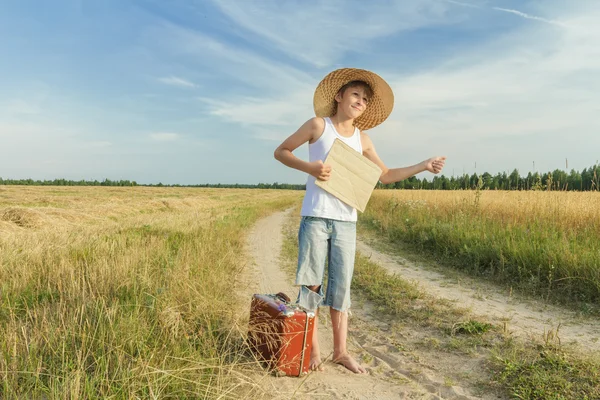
x=531, y=319
x=392, y=373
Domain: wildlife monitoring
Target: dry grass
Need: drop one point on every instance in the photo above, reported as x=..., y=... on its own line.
x=546, y=243
x=568, y=210
x=124, y=292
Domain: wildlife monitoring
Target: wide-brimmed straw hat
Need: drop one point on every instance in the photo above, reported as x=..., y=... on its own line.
x=380, y=105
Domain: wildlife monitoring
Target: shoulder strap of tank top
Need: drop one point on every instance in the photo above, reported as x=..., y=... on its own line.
x=357, y=133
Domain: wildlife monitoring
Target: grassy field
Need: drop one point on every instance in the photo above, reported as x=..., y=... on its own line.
x=123, y=292
x=543, y=243
x=524, y=369
x=126, y=292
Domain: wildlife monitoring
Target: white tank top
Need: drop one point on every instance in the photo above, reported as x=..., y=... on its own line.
x=317, y=202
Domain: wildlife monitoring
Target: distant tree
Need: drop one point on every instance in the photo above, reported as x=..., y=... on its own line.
x=487, y=180
x=594, y=173
x=574, y=180
x=587, y=179
x=514, y=180
x=446, y=184
x=473, y=179
x=559, y=179
x=537, y=183
x=528, y=182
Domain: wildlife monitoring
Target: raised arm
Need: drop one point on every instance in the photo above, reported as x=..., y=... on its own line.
x=310, y=131
x=433, y=165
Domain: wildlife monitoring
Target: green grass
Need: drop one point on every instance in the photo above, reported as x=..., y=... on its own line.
x=471, y=327
x=536, y=253
x=547, y=373
x=400, y=298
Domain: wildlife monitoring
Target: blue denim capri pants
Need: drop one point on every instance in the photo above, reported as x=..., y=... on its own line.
x=320, y=239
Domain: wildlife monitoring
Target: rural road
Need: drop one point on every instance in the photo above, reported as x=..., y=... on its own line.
x=391, y=373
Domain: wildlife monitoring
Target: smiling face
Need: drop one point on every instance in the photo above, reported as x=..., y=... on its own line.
x=353, y=99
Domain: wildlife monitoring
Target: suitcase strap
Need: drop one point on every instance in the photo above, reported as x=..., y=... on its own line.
x=304, y=345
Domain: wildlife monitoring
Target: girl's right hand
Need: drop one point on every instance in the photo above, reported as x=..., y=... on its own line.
x=320, y=171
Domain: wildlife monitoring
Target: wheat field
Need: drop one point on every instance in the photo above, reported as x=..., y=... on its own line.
x=546, y=243
x=127, y=292
x=123, y=292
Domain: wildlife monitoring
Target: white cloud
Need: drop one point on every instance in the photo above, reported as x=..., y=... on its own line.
x=529, y=16
x=176, y=81
x=164, y=136
x=460, y=3
x=322, y=32
x=218, y=59
x=278, y=112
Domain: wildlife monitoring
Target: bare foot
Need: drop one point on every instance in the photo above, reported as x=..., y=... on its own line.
x=350, y=363
x=316, y=364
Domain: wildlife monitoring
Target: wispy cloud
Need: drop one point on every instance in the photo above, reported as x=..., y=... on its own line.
x=519, y=94
x=508, y=10
x=222, y=59
x=320, y=34
x=164, y=136
x=529, y=16
x=460, y=3
x=276, y=111
x=176, y=81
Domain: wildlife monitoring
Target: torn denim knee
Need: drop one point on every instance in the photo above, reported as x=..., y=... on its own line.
x=310, y=300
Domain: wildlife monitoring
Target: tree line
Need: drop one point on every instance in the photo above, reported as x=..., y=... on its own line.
x=109, y=182
x=586, y=180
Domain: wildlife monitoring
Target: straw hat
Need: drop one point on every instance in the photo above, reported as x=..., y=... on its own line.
x=380, y=105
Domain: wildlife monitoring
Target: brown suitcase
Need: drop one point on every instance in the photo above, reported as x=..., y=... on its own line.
x=280, y=333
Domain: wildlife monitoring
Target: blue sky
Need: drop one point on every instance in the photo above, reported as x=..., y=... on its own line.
x=203, y=91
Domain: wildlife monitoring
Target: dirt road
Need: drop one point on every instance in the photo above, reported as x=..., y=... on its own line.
x=396, y=372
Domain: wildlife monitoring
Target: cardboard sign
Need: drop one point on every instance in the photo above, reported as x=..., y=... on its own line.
x=353, y=176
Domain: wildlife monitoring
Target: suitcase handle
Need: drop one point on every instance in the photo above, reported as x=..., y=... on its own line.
x=283, y=296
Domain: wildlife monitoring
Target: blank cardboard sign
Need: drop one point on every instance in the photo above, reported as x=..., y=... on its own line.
x=353, y=176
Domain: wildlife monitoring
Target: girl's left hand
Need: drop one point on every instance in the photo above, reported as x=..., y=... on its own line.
x=435, y=164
